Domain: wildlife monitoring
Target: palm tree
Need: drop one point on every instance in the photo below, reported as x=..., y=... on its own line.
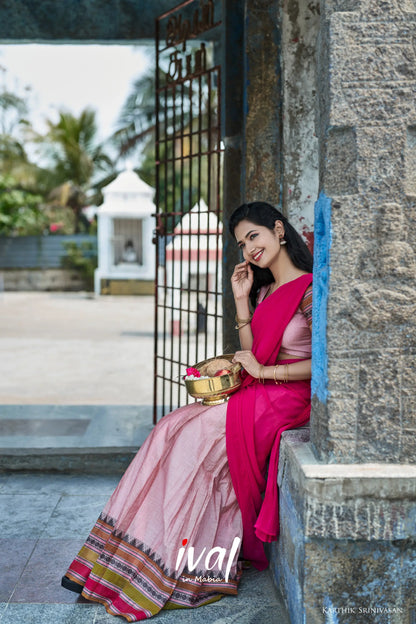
x=136, y=123
x=77, y=159
x=137, y=131
x=14, y=161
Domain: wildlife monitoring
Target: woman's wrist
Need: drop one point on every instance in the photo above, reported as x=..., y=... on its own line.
x=279, y=373
x=241, y=298
x=242, y=308
x=243, y=317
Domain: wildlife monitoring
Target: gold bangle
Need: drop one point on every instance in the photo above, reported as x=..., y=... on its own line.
x=286, y=377
x=240, y=325
x=245, y=321
x=276, y=381
x=261, y=374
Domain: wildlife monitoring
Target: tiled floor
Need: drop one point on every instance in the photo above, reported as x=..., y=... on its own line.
x=44, y=521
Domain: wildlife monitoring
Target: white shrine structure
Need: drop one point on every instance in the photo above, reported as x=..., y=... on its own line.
x=125, y=227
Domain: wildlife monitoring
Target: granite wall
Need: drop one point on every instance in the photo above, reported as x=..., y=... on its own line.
x=366, y=125
x=346, y=551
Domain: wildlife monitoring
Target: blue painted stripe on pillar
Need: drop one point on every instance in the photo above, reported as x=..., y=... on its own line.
x=321, y=273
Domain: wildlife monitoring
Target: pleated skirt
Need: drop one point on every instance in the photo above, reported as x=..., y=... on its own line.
x=169, y=536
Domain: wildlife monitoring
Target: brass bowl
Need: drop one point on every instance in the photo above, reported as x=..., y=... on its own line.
x=215, y=390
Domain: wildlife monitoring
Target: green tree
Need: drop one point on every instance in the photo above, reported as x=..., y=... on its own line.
x=20, y=212
x=20, y=195
x=136, y=122
x=14, y=109
x=80, y=165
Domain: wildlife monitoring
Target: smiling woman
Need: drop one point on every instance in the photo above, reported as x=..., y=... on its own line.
x=205, y=480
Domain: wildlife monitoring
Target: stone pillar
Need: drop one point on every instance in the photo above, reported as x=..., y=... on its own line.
x=347, y=547
x=300, y=166
x=365, y=402
x=262, y=131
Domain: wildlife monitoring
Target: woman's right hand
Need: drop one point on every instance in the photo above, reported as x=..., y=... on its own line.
x=242, y=280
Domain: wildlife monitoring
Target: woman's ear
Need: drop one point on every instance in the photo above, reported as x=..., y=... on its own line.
x=279, y=228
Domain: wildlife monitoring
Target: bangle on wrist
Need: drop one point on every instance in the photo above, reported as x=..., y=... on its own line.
x=286, y=375
x=261, y=374
x=240, y=320
x=276, y=381
x=240, y=325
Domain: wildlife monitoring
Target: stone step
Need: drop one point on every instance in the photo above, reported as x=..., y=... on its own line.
x=75, y=438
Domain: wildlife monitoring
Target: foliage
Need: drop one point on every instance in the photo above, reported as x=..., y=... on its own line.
x=20, y=214
x=13, y=110
x=76, y=159
x=83, y=258
x=60, y=219
x=48, y=198
x=73, y=148
x=137, y=118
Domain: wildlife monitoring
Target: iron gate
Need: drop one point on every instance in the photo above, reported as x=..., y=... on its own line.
x=188, y=295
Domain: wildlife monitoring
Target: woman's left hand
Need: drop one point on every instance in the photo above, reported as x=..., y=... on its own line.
x=248, y=362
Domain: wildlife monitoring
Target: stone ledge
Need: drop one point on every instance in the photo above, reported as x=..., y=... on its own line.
x=105, y=460
x=347, y=501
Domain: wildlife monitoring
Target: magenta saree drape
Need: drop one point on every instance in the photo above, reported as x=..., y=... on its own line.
x=256, y=417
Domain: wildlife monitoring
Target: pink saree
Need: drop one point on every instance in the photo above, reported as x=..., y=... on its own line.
x=256, y=417
x=178, y=495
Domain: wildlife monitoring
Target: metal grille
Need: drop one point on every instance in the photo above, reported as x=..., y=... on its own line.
x=188, y=198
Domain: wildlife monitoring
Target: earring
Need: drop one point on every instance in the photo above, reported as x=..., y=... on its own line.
x=282, y=241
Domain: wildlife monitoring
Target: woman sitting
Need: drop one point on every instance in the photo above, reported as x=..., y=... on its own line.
x=196, y=493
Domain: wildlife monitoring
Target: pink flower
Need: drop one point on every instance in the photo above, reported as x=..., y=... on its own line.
x=193, y=371
x=54, y=227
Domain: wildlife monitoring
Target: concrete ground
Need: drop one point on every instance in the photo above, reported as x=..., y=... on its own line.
x=74, y=349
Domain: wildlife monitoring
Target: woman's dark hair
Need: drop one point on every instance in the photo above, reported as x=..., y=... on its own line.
x=262, y=213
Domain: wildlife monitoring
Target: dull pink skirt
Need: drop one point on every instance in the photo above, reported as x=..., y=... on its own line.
x=177, y=488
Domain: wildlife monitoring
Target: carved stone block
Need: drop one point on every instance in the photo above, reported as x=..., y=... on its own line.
x=341, y=162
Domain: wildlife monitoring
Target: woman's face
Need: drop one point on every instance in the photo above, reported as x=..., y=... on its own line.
x=259, y=245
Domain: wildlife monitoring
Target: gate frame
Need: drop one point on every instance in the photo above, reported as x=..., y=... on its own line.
x=179, y=32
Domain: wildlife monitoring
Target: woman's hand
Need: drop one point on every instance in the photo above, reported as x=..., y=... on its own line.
x=242, y=280
x=248, y=362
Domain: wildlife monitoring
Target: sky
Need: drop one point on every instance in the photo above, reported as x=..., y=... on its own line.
x=74, y=77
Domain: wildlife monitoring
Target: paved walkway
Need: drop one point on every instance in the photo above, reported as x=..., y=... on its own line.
x=45, y=520
x=76, y=376
x=74, y=349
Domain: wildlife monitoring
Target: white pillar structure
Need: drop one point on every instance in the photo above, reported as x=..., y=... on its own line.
x=125, y=226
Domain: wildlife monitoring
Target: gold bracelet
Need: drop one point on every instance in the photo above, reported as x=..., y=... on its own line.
x=276, y=381
x=286, y=377
x=261, y=374
x=240, y=325
x=245, y=321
